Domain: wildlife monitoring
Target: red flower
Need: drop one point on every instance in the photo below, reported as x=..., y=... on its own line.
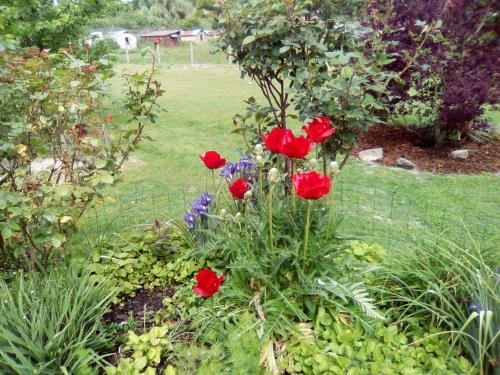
x=81, y=130
x=311, y=185
x=208, y=283
x=296, y=147
x=319, y=129
x=239, y=188
x=213, y=160
x=274, y=139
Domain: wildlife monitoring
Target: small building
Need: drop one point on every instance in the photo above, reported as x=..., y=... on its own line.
x=124, y=39
x=195, y=36
x=210, y=34
x=167, y=38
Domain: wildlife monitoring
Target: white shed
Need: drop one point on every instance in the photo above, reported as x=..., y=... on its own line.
x=124, y=39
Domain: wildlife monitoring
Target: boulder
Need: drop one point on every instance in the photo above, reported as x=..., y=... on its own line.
x=404, y=163
x=371, y=155
x=459, y=154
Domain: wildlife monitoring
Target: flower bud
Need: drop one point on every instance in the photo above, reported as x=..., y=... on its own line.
x=223, y=212
x=334, y=167
x=237, y=217
x=313, y=163
x=259, y=149
x=259, y=160
x=273, y=175
x=248, y=195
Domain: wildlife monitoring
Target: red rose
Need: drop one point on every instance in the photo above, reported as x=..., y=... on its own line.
x=311, y=185
x=213, y=160
x=296, y=147
x=239, y=188
x=319, y=129
x=208, y=283
x=274, y=139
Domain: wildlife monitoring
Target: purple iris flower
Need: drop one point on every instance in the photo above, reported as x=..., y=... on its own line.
x=245, y=164
x=206, y=199
x=229, y=170
x=189, y=219
x=198, y=207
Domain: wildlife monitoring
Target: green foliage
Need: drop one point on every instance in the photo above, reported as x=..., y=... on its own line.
x=150, y=13
x=148, y=259
x=51, y=323
x=147, y=351
x=45, y=25
x=56, y=154
x=273, y=277
x=337, y=347
x=454, y=286
x=296, y=58
x=235, y=350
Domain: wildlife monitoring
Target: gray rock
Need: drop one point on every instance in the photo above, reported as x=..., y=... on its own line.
x=404, y=163
x=371, y=155
x=459, y=154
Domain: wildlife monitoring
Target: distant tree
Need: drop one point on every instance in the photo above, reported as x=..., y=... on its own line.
x=47, y=24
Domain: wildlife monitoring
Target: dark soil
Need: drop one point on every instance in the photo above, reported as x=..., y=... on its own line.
x=146, y=301
x=400, y=142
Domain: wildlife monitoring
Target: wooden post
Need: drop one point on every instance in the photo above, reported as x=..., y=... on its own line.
x=191, y=52
x=158, y=55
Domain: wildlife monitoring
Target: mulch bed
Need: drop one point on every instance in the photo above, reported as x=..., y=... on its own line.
x=400, y=142
x=145, y=301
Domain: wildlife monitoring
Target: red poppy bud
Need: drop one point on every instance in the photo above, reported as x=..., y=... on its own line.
x=208, y=283
x=296, y=147
x=213, y=160
x=311, y=185
x=274, y=139
x=239, y=188
x=319, y=129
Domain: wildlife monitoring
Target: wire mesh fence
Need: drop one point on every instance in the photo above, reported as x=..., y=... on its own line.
x=374, y=213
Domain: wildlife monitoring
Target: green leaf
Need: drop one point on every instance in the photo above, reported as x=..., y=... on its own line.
x=249, y=39
x=141, y=362
x=100, y=163
x=6, y=233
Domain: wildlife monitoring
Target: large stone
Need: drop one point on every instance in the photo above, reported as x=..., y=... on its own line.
x=371, y=155
x=405, y=164
x=46, y=164
x=459, y=154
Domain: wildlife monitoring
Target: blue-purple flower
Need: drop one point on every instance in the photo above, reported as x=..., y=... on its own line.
x=243, y=166
x=189, y=219
x=199, y=207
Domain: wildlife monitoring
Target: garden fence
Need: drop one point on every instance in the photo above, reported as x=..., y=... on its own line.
x=392, y=218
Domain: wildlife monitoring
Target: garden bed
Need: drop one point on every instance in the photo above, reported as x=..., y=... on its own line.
x=401, y=142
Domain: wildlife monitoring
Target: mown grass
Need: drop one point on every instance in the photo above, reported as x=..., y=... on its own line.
x=166, y=173
x=202, y=54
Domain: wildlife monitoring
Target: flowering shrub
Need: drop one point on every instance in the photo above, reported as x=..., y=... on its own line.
x=57, y=154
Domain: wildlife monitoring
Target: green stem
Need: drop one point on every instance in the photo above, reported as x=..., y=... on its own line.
x=271, y=216
x=330, y=205
x=261, y=190
x=213, y=179
x=308, y=224
x=292, y=192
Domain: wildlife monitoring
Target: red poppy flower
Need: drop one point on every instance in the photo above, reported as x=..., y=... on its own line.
x=274, y=139
x=208, y=283
x=239, y=188
x=319, y=129
x=296, y=147
x=213, y=160
x=311, y=185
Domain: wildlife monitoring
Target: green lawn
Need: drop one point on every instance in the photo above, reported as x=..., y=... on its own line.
x=165, y=174
x=202, y=54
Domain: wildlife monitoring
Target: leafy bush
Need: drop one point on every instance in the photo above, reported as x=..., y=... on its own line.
x=147, y=351
x=296, y=58
x=51, y=323
x=147, y=259
x=56, y=155
x=455, y=287
x=337, y=347
x=447, y=52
